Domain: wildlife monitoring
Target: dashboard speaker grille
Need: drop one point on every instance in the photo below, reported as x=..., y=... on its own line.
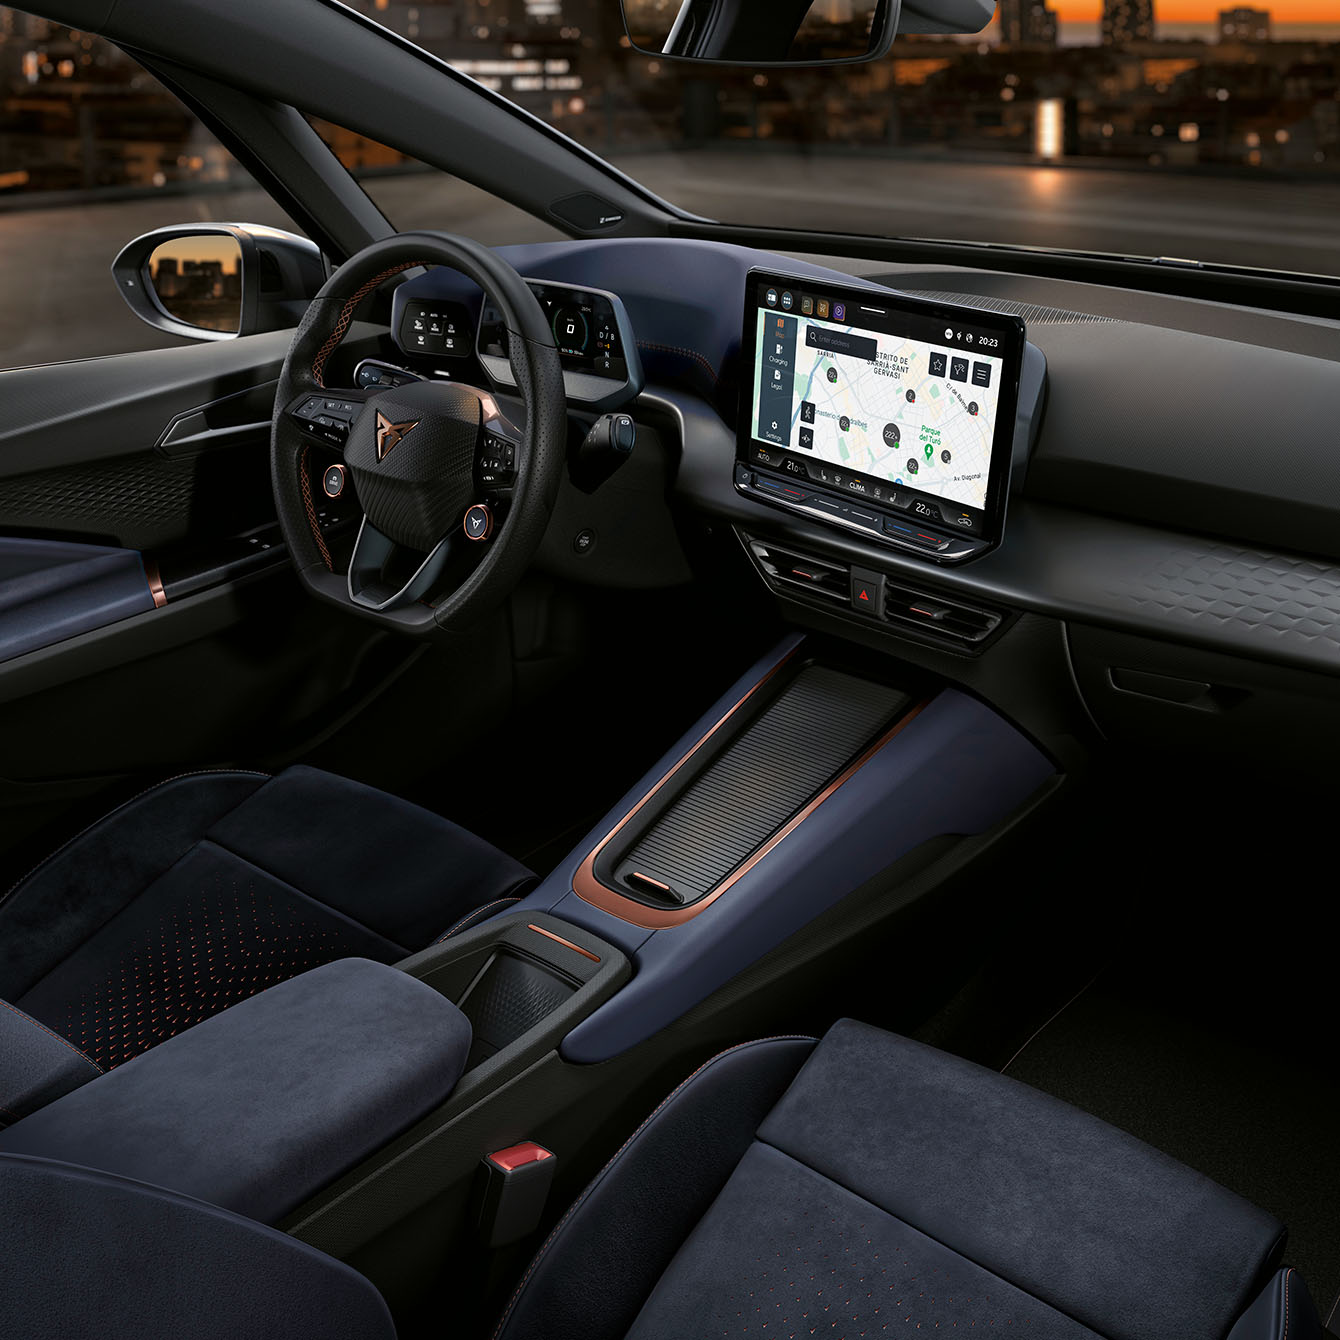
x=1031, y=312
x=819, y=722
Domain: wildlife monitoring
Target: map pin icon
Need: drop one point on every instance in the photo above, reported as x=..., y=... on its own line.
x=930, y=451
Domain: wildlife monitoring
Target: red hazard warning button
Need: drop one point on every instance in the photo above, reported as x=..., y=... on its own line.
x=866, y=596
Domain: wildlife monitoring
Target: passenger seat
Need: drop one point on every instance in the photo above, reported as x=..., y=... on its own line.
x=864, y=1185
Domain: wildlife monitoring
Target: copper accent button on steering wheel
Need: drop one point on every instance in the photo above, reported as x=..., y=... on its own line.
x=332, y=482
x=478, y=522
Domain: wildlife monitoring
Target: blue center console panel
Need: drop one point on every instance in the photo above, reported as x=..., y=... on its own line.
x=803, y=782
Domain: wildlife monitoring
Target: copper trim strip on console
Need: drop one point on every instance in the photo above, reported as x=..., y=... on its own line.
x=590, y=890
x=558, y=939
x=155, y=580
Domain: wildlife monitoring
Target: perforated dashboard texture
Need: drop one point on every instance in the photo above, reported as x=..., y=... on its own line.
x=815, y=726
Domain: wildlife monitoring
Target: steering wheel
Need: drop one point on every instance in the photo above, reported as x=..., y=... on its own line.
x=451, y=491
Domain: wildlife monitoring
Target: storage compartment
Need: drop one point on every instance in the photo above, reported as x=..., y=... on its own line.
x=1195, y=703
x=784, y=745
x=511, y=994
x=522, y=981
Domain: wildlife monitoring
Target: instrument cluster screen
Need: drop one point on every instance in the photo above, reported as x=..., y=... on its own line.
x=583, y=325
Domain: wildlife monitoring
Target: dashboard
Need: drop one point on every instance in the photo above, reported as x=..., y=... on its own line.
x=1173, y=518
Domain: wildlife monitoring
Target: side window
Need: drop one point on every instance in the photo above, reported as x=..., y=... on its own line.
x=93, y=152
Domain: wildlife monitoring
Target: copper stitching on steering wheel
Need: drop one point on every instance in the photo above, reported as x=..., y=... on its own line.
x=318, y=368
x=305, y=481
x=347, y=315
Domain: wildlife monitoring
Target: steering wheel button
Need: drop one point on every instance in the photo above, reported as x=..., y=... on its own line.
x=478, y=522
x=332, y=482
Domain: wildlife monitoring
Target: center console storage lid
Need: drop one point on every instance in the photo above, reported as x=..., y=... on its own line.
x=259, y=1107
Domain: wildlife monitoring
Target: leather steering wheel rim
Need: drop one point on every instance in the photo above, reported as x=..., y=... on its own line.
x=540, y=456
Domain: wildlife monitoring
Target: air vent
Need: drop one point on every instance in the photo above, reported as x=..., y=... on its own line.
x=792, y=568
x=940, y=616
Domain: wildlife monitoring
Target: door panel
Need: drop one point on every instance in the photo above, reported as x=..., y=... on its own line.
x=116, y=470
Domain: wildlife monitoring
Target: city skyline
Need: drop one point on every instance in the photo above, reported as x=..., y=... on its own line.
x=1325, y=12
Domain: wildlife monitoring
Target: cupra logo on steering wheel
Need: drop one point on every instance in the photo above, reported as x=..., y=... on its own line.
x=391, y=434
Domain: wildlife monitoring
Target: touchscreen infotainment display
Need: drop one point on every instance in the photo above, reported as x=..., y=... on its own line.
x=905, y=403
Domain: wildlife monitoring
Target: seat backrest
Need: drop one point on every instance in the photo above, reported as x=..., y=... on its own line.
x=91, y=1256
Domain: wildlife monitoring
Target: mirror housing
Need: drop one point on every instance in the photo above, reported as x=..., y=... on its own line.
x=766, y=33
x=941, y=17
x=278, y=274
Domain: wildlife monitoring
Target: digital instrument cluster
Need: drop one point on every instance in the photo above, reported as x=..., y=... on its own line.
x=596, y=348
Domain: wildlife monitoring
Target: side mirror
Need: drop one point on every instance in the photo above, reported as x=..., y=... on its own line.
x=763, y=32
x=216, y=281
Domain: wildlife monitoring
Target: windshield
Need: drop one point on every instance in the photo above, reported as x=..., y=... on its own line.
x=1142, y=127
x=1136, y=127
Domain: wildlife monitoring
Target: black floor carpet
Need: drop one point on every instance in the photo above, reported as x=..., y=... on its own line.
x=1228, y=1079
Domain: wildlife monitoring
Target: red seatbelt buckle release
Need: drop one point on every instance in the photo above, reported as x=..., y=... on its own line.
x=514, y=1188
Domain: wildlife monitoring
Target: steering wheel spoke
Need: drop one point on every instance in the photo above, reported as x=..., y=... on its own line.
x=372, y=581
x=326, y=417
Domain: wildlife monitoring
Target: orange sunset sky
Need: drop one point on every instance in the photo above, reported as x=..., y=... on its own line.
x=1205, y=11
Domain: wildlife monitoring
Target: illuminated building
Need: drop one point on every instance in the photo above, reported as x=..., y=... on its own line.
x=1127, y=21
x=1244, y=25
x=1027, y=23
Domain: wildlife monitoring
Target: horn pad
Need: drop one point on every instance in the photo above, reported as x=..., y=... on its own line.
x=411, y=453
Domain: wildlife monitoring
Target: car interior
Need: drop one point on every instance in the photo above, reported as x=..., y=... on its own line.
x=683, y=779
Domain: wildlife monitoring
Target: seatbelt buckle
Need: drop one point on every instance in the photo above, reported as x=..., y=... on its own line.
x=515, y=1187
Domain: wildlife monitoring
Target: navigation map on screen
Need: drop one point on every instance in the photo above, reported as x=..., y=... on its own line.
x=901, y=398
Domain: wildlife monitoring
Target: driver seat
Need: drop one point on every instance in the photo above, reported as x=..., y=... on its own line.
x=213, y=886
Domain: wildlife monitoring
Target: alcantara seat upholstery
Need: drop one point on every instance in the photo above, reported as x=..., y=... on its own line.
x=870, y=1186
x=861, y=1186
x=213, y=886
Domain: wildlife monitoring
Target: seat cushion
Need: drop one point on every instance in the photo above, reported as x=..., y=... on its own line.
x=211, y=887
x=890, y=1187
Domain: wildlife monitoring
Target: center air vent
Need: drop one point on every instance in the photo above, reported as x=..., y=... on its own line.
x=942, y=616
x=789, y=567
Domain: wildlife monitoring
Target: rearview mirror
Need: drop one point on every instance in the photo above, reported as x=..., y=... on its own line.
x=215, y=281
x=791, y=32
x=763, y=32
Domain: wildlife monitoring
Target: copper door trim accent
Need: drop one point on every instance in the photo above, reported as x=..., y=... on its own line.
x=155, y=580
x=558, y=939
